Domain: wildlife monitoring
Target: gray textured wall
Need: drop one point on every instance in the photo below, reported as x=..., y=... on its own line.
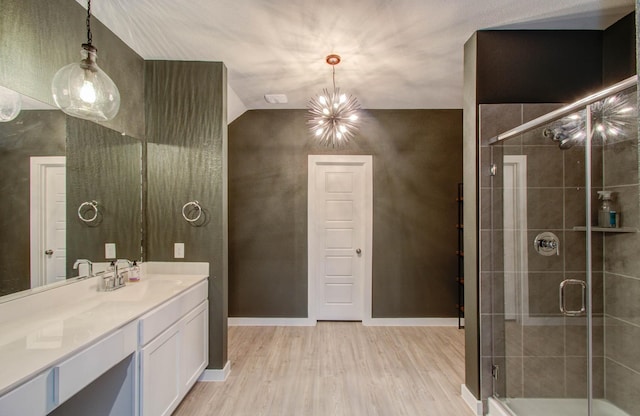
x=40, y=37
x=417, y=163
x=32, y=133
x=186, y=162
x=105, y=166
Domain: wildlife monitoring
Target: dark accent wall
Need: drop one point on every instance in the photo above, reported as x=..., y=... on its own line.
x=532, y=66
x=619, y=50
x=105, y=166
x=417, y=162
x=186, y=153
x=40, y=37
x=32, y=133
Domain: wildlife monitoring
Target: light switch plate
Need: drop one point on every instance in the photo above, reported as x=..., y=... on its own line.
x=110, y=251
x=178, y=250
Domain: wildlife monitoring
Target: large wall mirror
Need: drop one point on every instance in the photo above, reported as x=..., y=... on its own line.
x=55, y=169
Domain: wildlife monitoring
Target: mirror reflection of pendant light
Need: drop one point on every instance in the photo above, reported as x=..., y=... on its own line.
x=82, y=89
x=333, y=116
x=10, y=104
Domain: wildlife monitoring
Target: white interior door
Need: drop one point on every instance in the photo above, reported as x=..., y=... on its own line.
x=48, y=220
x=340, y=227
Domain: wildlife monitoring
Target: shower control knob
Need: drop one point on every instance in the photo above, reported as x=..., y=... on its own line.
x=547, y=244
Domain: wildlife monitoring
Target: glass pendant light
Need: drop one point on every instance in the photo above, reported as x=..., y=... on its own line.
x=10, y=104
x=82, y=89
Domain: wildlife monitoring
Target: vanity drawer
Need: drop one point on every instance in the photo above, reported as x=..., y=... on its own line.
x=78, y=371
x=155, y=322
x=35, y=397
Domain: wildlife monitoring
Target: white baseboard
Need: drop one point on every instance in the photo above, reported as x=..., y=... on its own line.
x=216, y=375
x=367, y=322
x=411, y=322
x=474, y=404
x=271, y=322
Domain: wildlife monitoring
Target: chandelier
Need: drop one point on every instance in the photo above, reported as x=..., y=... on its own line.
x=611, y=119
x=332, y=115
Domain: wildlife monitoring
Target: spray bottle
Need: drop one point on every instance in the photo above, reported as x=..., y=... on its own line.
x=607, y=216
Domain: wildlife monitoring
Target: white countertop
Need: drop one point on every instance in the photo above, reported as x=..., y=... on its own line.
x=41, y=330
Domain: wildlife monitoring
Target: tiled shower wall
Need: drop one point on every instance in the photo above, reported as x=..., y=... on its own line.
x=622, y=278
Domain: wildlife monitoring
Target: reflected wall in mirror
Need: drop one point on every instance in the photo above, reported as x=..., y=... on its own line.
x=49, y=164
x=35, y=132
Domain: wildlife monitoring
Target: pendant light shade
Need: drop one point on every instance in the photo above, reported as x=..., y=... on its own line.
x=82, y=89
x=10, y=104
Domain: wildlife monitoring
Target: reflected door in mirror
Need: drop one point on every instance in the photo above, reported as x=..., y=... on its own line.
x=48, y=220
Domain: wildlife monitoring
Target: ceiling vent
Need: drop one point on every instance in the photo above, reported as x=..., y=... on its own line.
x=276, y=98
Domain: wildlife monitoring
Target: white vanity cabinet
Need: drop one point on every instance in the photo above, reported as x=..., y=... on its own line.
x=135, y=351
x=173, y=350
x=43, y=393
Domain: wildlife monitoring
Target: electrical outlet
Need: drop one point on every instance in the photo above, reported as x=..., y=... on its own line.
x=110, y=251
x=178, y=250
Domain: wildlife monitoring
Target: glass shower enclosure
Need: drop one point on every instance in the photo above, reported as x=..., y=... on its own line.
x=564, y=266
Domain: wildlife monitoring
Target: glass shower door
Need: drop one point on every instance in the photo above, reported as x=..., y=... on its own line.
x=541, y=194
x=564, y=318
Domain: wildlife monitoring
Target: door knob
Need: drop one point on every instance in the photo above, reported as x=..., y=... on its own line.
x=48, y=252
x=358, y=251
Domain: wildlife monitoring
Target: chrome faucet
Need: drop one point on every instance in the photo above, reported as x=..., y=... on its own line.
x=119, y=277
x=113, y=279
x=84, y=261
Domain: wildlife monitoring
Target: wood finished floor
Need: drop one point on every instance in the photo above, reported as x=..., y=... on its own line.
x=337, y=368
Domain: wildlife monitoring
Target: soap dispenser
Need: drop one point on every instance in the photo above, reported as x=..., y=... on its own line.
x=607, y=216
x=134, y=272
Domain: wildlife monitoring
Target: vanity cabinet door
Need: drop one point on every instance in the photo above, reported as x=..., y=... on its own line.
x=172, y=362
x=194, y=342
x=160, y=387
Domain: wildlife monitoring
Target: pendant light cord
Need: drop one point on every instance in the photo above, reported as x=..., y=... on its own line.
x=89, y=38
x=334, y=79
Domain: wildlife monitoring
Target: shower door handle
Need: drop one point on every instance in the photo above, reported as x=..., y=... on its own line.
x=563, y=308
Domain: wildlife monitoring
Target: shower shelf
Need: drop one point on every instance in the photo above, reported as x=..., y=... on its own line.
x=607, y=230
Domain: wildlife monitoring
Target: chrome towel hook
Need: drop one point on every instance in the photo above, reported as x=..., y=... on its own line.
x=86, y=207
x=195, y=206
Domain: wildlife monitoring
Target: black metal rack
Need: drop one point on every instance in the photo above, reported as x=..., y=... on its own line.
x=460, y=258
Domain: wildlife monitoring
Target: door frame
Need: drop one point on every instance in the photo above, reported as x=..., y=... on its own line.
x=38, y=167
x=516, y=165
x=312, y=247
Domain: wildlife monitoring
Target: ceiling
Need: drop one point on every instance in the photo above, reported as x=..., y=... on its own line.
x=396, y=54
